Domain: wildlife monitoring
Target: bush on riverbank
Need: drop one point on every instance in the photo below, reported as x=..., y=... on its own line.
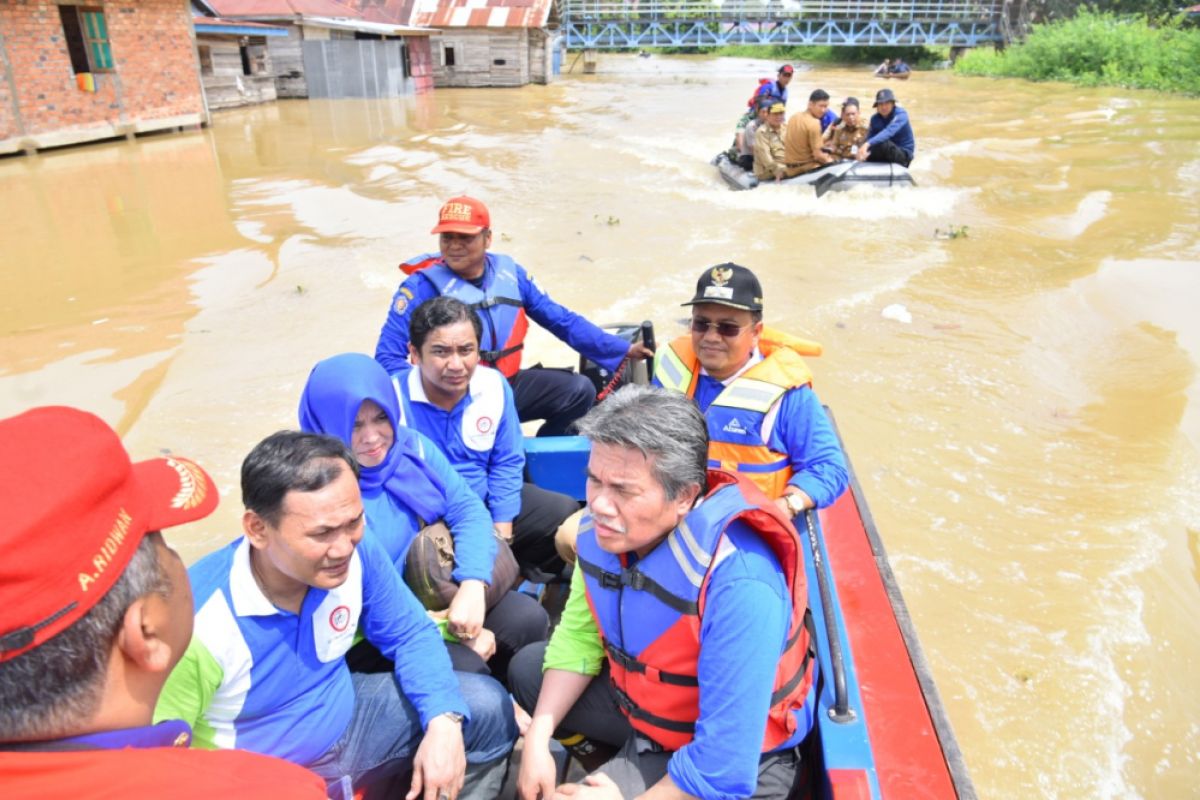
x=1098, y=50
x=917, y=57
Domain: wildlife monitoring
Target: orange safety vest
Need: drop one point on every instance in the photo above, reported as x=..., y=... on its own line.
x=739, y=419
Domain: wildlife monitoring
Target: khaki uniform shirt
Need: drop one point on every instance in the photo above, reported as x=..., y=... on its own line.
x=803, y=142
x=768, y=152
x=844, y=138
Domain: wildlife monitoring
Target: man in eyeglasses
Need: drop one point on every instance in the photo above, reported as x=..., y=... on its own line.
x=764, y=419
x=504, y=294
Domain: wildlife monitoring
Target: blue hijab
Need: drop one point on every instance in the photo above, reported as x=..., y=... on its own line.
x=335, y=391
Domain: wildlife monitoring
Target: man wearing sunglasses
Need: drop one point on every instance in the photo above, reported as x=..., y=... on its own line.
x=764, y=419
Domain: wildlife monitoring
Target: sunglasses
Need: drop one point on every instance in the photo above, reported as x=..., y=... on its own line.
x=727, y=330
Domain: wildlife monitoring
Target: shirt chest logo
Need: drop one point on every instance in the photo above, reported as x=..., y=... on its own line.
x=339, y=618
x=735, y=426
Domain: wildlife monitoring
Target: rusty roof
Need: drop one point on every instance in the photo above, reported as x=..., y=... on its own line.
x=396, y=12
x=482, y=13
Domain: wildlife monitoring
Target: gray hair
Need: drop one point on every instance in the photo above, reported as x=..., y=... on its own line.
x=49, y=691
x=665, y=427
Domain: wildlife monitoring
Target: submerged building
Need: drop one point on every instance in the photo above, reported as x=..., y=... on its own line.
x=77, y=73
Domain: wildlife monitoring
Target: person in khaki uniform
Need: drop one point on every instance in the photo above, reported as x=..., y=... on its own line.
x=843, y=139
x=802, y=139
x=769, y=150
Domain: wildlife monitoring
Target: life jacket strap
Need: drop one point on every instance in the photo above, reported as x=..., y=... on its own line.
x=484, y=305
x=490, y=357
x=631, y=663
x=633, y=710
x=790, y=685
x=638, y=581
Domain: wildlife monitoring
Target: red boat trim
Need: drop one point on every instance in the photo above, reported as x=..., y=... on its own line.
x=915, y=752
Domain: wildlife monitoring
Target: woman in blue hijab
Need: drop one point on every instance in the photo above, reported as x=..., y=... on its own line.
x=406, y=482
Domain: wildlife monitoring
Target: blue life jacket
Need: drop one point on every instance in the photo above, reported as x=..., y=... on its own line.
x=648, y=614
x=500, y=308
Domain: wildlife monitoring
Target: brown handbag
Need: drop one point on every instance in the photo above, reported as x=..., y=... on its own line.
x=430, y=562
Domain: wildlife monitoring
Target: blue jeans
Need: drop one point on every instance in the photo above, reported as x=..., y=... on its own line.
x=385, y=731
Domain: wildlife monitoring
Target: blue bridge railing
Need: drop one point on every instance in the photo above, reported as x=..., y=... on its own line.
x=600, y=24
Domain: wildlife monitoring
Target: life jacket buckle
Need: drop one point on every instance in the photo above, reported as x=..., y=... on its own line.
x=610, y=580
x=634, y=579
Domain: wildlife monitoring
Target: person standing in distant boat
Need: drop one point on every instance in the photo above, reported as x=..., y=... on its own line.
x=778, y=88
x=890, y=137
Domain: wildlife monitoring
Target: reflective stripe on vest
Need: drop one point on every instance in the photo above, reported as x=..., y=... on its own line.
x=742, y=416
x=648, y=614
x=500, y=309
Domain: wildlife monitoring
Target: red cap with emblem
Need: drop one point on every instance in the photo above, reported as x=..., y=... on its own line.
x=75, y=509
x=463, y=215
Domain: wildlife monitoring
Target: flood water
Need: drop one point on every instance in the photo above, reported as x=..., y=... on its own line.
x=1029, y=441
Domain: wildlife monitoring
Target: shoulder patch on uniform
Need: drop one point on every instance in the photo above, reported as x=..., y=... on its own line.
x=401, y=303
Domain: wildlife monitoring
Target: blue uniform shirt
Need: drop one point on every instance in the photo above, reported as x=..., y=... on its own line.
x=260, y=678
x=582, y=336
x=895, y=128
x=481, y=436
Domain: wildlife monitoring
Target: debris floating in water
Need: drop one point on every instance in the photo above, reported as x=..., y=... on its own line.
x=897, y=313
x=953, y=232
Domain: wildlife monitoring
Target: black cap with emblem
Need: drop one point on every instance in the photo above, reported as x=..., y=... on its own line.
x=730, y=285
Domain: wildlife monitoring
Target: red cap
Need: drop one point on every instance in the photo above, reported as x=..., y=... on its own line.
x=463, y=215
x=75, y=509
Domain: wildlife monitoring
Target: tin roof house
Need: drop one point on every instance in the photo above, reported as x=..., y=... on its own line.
x=340, y=48
x=492, y=42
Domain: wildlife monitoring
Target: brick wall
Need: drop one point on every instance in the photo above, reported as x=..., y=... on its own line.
x=155, y=75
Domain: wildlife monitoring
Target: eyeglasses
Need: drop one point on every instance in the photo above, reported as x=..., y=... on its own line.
x=727, y=330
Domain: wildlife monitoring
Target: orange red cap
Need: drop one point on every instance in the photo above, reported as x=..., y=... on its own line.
x=75, y=509
x=463, y=215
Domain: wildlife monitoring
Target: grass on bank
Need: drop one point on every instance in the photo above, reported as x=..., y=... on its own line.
x=1094, y=49
x=917, y=57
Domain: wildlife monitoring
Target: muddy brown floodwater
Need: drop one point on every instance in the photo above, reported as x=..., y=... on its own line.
x=1029, y=441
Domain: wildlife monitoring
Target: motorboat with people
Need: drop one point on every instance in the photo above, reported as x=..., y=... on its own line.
x=882, y=731
x=837, y=177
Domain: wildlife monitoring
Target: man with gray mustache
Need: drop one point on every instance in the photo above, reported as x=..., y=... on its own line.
x=689, y=604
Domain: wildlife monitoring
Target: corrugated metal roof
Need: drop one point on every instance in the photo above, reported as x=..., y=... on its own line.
x=394, y=12
x=482, y=13
x=235, y=27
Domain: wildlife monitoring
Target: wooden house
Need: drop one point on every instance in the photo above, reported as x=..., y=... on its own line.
x=340, y=48
x=235, y=62
x=491, y=42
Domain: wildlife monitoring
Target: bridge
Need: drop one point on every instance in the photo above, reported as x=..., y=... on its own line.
x=602, y=24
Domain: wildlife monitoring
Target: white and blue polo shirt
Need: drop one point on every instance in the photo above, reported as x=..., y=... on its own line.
x=260, y=678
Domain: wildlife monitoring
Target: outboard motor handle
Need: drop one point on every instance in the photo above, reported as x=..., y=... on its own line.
x=648, y=334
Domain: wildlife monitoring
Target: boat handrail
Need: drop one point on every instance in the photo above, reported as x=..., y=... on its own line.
x=841, y=711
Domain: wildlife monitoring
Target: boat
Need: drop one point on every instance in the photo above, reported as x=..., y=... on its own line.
x=834, y=177
x=882, y=731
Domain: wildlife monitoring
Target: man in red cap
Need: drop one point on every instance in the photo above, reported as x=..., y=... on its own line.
x=503, y=294
x=778, y=88
x=95, y=610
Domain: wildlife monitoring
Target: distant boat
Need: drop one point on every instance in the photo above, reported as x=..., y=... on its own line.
x=839, y=176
